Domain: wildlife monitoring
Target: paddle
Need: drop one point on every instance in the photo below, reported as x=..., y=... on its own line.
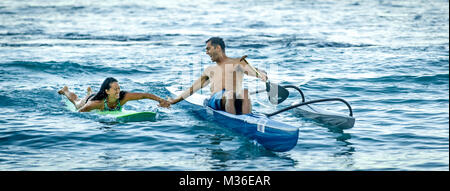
x=275, y=92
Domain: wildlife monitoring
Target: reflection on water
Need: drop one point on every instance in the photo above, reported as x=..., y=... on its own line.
x=233, y=159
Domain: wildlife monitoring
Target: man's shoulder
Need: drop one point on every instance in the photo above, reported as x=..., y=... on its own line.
x=212, y=67
x=209, y=69
x=235, y=60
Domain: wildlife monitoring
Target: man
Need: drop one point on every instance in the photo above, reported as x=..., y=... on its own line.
x=225, y=79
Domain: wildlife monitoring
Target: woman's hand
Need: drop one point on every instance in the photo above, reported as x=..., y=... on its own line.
x=164, y=103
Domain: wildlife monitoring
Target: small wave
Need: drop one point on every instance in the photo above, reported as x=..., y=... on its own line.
x=431, y=165
x=120, y=38
x=24, y=32
x=13, y=101
x=390, y=4
x=76, y=7
x=252, y=46
x=6, y=101
x=35, y=139
x=18, y=137
x=437, y=79
x=258, y=24
x=24, y=45
x=412, y=101
x=30, y=100
x=417, y=17
x=340, y=45
x=78, y=36
x=415, y=138
x=7, y=13
x=51, y=67
x=68, y=67
x=39, y=9
x=325, y=44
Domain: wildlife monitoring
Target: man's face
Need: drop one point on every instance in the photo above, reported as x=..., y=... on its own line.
x=212, y=51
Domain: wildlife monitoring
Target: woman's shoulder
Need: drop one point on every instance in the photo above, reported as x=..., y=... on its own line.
x=95, y=102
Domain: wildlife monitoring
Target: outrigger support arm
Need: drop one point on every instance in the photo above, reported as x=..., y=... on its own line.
x=311, y=102
x=303, y=101
x=298, y=89
x=286, y=87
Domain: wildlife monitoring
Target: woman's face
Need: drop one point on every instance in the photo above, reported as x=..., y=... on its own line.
x=114, y=90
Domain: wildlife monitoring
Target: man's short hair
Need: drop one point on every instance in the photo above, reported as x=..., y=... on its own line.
x=217, y=41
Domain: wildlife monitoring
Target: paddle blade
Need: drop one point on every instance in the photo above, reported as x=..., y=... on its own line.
x=276, y=93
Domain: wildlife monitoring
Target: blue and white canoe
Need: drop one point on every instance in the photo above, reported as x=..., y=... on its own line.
x=272, y=135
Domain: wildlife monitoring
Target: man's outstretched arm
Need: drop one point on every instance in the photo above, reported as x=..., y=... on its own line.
x=198, y=84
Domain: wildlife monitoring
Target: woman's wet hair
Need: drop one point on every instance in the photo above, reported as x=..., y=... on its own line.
x=101, y=94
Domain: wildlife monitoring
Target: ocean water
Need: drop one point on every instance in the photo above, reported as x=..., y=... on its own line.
x=388, y=59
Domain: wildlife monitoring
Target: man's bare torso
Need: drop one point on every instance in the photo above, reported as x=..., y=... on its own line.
x=228, y=75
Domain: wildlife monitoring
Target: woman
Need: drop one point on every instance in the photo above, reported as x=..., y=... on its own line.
x=108, y=98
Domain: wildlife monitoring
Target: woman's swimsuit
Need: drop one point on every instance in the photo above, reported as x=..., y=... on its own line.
x=92, y=95
x=117, y=108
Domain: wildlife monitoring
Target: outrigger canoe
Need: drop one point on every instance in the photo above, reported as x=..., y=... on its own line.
x=272, y=135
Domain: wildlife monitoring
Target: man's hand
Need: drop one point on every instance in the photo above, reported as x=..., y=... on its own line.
x=264, y=75
x=259, y=73
x=170, y=100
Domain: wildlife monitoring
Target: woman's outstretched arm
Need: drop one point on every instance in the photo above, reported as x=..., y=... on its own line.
x=137, y=96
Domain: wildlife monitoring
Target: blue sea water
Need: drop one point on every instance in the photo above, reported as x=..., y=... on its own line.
x=388, y=59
